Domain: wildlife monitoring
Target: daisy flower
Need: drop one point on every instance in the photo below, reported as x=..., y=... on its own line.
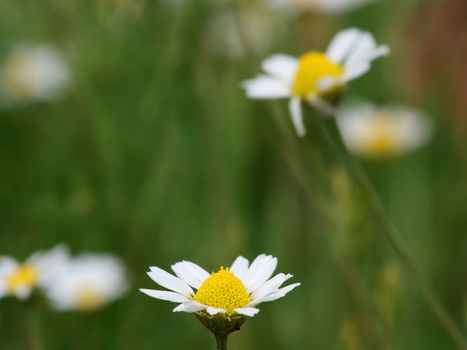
x=38, y=271
x=381, y=132
x=318, y=78
x=34, y=72
x=331, y=7
x=88, y=282
x=230, y=291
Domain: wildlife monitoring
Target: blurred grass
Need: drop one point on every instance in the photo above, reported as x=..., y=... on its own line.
x=157, y=156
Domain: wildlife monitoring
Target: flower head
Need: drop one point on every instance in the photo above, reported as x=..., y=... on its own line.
x=20, y=279
x=88, y=282
x=332, y=7
x=383, y=132
x=229, y=291
x=34, y=72
x=316, y=77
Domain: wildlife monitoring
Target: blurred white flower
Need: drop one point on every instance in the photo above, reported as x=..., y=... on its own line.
x=332, y=7
x=258, y=27
x=34, y=72
x=237, y=290
x=318, y=78
x=88, y=282
x=376, y=132
x=38, y=271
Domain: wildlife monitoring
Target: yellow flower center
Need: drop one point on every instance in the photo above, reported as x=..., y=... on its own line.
x=25, y=275
x=383, y=141
x=312, y=67
x=88, y=299
x=223, y=290
x=20, y=77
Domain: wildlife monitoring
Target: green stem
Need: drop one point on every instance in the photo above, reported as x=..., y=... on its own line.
x=221, y=340
x=334, y=137
x=33, y=331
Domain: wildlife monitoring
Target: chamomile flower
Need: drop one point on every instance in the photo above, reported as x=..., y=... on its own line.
x=33, y=72
x=88, y=282
x=315, y=77
x=381, y=132
x=38, y=271
x=331, y=7
x=229, y=291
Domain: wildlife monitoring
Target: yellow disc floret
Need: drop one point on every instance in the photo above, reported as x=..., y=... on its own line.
x=87, y=298
x=223, y=290
x=383, y=141
x=25, y=275
x=312, y=67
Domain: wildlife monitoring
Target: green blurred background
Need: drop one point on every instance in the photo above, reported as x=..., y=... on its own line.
x=156, y=155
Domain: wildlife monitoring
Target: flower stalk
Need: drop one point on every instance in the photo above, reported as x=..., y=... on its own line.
x=334, y=137
x=221, y=340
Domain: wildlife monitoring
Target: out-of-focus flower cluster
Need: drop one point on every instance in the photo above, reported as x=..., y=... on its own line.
x=84, y=282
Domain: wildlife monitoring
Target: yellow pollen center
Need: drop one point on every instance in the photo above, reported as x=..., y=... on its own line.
x=383, y=142
x=88, y=299
x=19, y=77
x=312, y=67
x=223, y=290
x=25, y=275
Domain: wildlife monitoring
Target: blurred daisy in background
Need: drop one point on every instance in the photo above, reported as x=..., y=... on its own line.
x=316, y=77
x=230, y=291
x=33, y=72
x=38, y=271
x=331, y=7
x=258, y=27
x=87, y=283
x=382, y=132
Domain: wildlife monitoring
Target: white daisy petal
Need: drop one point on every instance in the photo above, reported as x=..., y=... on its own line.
x=260, y=271
x=295, y=109
x=264, y=273
x=191, y=273
x=240, y=267
x=169, y=281
x=270, y=286
x=328, y=83
x=23, y=292
x=7, y=265
x=356, y=71
x=252, y=270
x=214, y=310
x=247, y=311
x=274, y=295
x=287, y=289
x=265, y=87
x=282, y=67
x=189, y=306
x=164, y=295
x=364, y=51
x=342, y=44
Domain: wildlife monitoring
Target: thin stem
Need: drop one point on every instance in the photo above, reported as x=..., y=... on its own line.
x=33, y=331
x=221, y=340
x=334, y=137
